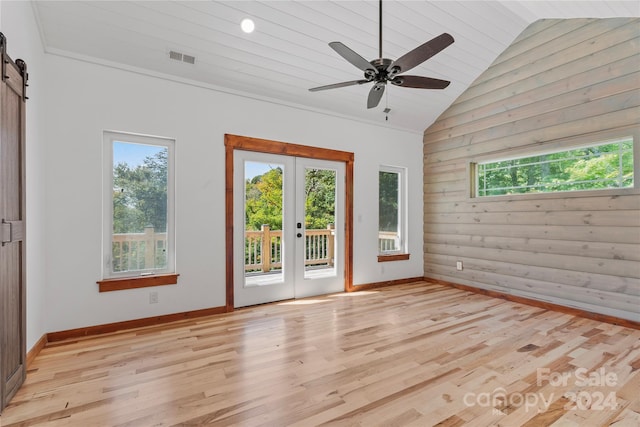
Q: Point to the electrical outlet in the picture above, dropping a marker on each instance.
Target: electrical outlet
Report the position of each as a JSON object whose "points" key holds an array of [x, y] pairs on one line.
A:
{"points": [[153, 297], [459, 265]]}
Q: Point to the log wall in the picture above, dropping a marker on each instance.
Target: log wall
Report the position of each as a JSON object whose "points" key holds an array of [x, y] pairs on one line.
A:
{"points": [[561, 83]]}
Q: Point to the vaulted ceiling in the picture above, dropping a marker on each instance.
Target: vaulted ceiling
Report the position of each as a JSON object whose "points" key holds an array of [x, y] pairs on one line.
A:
{"points": [[288, 52]]}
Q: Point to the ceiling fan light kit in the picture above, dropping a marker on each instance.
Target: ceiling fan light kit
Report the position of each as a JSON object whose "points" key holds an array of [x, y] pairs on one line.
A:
{"points": [[383, 70]]}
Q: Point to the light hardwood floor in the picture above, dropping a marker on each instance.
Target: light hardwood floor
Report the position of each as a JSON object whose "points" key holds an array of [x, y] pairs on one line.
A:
{"points": [[419, 354]]}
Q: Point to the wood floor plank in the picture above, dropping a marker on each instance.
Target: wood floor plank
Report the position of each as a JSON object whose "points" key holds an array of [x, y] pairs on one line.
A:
{"points": [[417, 354]]}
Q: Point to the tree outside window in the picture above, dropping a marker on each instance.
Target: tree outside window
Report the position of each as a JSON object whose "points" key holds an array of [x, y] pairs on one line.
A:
{"points": [[600, 166]]}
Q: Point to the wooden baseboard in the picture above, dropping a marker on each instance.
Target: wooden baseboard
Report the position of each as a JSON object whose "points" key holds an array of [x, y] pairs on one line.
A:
{"points": [[375, 285], [542, 304], [131, 324], [35, 350], [157, 320]]}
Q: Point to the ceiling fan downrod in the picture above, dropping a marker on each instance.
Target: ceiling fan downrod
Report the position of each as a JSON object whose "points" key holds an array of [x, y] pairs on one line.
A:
{"points": [[380, 31]]}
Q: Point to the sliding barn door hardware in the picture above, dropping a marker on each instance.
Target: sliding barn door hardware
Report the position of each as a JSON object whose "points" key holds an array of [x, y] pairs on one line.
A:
{"points": [[19, 64]]}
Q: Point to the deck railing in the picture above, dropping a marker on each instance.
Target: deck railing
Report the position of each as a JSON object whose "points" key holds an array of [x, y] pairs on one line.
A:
{"points": [[387, 241], [319, 248], [139, 251]]}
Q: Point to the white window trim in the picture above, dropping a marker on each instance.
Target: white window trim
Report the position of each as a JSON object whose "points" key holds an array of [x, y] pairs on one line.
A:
{"points": [[403, 215], [109, 137]]}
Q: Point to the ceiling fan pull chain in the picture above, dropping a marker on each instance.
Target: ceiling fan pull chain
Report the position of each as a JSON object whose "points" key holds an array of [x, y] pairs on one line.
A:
{"points": [[387, 109]]}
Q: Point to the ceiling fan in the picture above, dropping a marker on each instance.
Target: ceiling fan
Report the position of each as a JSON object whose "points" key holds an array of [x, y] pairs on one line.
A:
{"points": [[383, 70]]}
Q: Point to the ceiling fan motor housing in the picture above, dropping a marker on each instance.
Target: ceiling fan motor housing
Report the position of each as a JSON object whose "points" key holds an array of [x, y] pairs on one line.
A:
{"points": [[383, 73], [380, 74]]}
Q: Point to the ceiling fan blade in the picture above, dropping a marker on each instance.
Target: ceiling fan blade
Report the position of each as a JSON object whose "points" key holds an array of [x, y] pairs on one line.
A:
{"points": [[420, 54], [420, 82], [337, 85], [375, 94], [353, 57]]}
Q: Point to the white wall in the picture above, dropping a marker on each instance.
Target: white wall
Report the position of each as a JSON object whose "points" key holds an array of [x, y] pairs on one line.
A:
{"points": [[23, 41], [84, 99]]}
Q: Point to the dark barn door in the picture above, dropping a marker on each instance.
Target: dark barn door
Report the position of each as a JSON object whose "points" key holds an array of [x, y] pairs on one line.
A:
{"points": [[12, 227]]}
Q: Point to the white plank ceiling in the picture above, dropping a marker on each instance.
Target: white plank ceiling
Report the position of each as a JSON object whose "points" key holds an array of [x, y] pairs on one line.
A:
{"points": [[288, 53]]}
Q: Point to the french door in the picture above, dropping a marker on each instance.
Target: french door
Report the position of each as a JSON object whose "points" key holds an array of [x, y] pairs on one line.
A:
{"points": [[288, 227]]}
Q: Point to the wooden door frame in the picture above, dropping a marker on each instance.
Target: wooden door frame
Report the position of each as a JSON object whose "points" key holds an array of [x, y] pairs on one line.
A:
{"points": [[245, 143]]}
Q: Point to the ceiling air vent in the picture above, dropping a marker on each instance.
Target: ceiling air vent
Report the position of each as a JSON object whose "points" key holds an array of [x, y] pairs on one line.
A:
{"points": [[182, 57]]}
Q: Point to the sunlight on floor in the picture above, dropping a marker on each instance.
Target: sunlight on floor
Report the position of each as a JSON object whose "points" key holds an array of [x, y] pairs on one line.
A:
{"points": [[303, 302], [318, 301], [354, 294]]}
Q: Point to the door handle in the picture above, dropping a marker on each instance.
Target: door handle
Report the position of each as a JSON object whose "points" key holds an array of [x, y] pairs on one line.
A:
{"points": [[299, 225], [299, 235]]}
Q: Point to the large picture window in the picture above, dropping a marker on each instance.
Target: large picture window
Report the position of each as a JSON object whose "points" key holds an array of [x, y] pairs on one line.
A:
{"points": [[604, 165], [139, 195], [391, 210]]}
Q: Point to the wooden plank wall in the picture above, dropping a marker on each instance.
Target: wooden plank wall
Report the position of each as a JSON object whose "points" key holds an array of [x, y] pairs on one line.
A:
{"points": [[561, 82]]}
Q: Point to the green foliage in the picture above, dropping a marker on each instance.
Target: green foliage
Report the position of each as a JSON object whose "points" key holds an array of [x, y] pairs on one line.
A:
{"points": [[140, 195], [263, 204], [320, 192], [604, 166], [388, 201]]}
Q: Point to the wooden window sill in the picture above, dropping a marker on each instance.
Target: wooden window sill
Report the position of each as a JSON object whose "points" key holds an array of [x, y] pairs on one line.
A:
{"points": [[120, 284], [394, 257]]}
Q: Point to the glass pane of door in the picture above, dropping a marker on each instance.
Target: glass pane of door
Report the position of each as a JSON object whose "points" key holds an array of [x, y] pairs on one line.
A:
{"points": [[264, 213], [320, 199], [319, 221], [263, 208]]}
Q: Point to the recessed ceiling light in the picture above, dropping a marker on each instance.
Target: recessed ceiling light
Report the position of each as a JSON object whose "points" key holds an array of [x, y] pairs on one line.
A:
{"points": [[247, 25]]}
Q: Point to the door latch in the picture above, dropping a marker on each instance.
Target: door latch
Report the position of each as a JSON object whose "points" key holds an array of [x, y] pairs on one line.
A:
{"points": [[5, 235], [11, 231]]}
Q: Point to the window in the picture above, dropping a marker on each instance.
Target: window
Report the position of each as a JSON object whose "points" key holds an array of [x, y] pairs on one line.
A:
{"points": [[391, 211], [138, 205], [604, 165]]}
